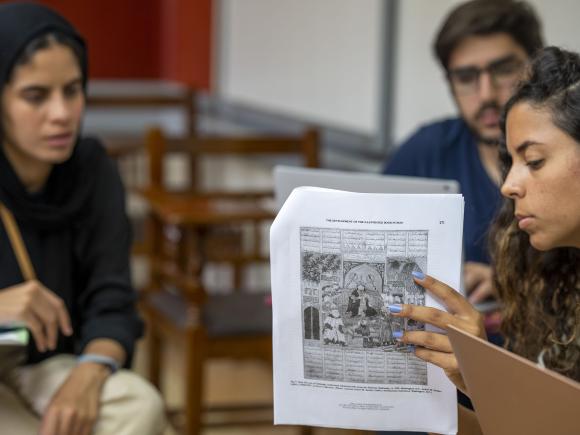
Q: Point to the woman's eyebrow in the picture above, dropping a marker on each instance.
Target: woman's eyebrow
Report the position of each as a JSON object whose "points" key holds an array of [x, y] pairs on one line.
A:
{"points": [[525, 145], [33, 88], [74, 81], [41, 87]]}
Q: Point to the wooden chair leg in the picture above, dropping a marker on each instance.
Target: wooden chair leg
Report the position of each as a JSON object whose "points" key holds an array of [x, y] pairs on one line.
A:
{"points": [[238, 276], [155, 356], [194, 381]]}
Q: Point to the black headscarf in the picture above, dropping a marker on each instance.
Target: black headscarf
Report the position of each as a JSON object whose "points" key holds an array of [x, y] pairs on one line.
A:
{"points": [[69, 184], [20, 23]]}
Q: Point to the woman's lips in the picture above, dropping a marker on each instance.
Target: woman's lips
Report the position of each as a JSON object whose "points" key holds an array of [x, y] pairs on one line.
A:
{"points": [[524, 221], [60, 140]]}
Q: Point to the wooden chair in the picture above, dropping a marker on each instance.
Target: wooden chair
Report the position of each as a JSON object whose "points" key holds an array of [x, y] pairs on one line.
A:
{"points": [[146, 95], [128, 149], [182, 229]]}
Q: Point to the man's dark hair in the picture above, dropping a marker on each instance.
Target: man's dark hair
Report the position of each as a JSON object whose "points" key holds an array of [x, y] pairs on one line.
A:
{"points": [[486, 17]]}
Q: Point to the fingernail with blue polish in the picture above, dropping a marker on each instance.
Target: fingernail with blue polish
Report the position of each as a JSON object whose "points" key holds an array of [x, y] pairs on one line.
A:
{"points": [[419, 275], [395, 308], [411, 348], [397, 335]]}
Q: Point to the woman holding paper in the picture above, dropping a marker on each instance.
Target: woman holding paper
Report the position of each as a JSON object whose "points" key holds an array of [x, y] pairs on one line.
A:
{"points": [[64, 246], [536, 238]]}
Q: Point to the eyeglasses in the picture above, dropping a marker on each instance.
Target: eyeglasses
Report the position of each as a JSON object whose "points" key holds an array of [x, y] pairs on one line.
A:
{"points": [[504, 73]]}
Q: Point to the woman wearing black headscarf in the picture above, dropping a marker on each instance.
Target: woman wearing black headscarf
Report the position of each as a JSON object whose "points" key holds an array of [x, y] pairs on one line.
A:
{"points": [[68, 202]]}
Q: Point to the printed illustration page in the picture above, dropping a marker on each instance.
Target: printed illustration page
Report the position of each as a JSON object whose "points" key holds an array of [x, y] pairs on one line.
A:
{"points": [[338, 260]]}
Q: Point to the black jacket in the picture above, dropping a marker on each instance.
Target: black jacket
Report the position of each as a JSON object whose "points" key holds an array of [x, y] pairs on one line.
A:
{"points": [[82, 257]]}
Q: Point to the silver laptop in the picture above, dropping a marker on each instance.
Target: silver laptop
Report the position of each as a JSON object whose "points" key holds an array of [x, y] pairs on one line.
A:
{"points": [[287, 178]]}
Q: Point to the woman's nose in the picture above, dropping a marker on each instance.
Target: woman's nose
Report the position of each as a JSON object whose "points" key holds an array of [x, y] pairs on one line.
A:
{"points": [[512, 186], [59, 108]]}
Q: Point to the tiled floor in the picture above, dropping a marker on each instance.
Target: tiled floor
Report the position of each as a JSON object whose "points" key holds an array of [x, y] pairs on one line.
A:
{"points": [[227, 381]]}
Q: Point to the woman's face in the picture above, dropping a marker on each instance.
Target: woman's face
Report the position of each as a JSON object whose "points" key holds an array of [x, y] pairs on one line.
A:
{"points": [[544, 180], [42, 106]]}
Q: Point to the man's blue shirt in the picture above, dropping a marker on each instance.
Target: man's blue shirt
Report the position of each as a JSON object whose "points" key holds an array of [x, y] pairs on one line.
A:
{"points": [[448, 149]]}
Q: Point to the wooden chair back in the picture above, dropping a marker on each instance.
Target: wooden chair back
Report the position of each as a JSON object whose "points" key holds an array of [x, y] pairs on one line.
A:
{"points": [[305, 146], [149, 96], [227, 244], [128, 150], [192, 229]]}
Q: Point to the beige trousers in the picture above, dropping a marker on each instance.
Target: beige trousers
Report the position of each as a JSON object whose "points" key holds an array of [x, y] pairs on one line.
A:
{"points": [[129, 404]]}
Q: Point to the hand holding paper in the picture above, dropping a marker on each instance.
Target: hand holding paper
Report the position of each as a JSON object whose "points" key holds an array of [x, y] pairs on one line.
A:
{"points": [[435, 347]]}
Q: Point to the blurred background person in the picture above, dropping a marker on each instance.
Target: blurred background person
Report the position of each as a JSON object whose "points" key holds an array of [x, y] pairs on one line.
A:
{"points": [[483, 46]]}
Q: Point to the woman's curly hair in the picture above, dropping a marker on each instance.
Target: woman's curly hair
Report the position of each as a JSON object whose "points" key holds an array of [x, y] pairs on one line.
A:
{"points": [[541, 290]]}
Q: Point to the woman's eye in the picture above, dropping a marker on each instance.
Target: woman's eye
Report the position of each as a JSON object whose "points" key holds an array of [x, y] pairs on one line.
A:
{"points": [[72, 91], [34, 97], [535, 164]]}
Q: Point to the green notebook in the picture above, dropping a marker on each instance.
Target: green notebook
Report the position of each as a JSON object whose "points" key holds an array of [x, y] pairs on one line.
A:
{"points": [[13, 336]]}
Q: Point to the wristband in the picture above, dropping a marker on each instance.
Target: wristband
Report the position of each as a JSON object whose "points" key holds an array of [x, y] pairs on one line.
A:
{"points": [[107, 361]]}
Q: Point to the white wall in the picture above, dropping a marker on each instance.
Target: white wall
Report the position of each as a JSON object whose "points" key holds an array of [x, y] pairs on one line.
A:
{"points": [[421, 91], [560, 20], [317, 60]]}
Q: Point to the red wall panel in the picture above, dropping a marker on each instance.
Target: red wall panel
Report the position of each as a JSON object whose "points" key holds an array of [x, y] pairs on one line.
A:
{"points": [[145, 39], [123, 35], [186, 27]]}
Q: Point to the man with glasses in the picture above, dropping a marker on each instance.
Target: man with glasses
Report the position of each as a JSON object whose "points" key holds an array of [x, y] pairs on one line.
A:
{"points": [[483, 47]]}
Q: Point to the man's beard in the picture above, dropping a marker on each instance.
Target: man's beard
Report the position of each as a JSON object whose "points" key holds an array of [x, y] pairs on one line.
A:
{"points": [[488, 141], [485, 140]]}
